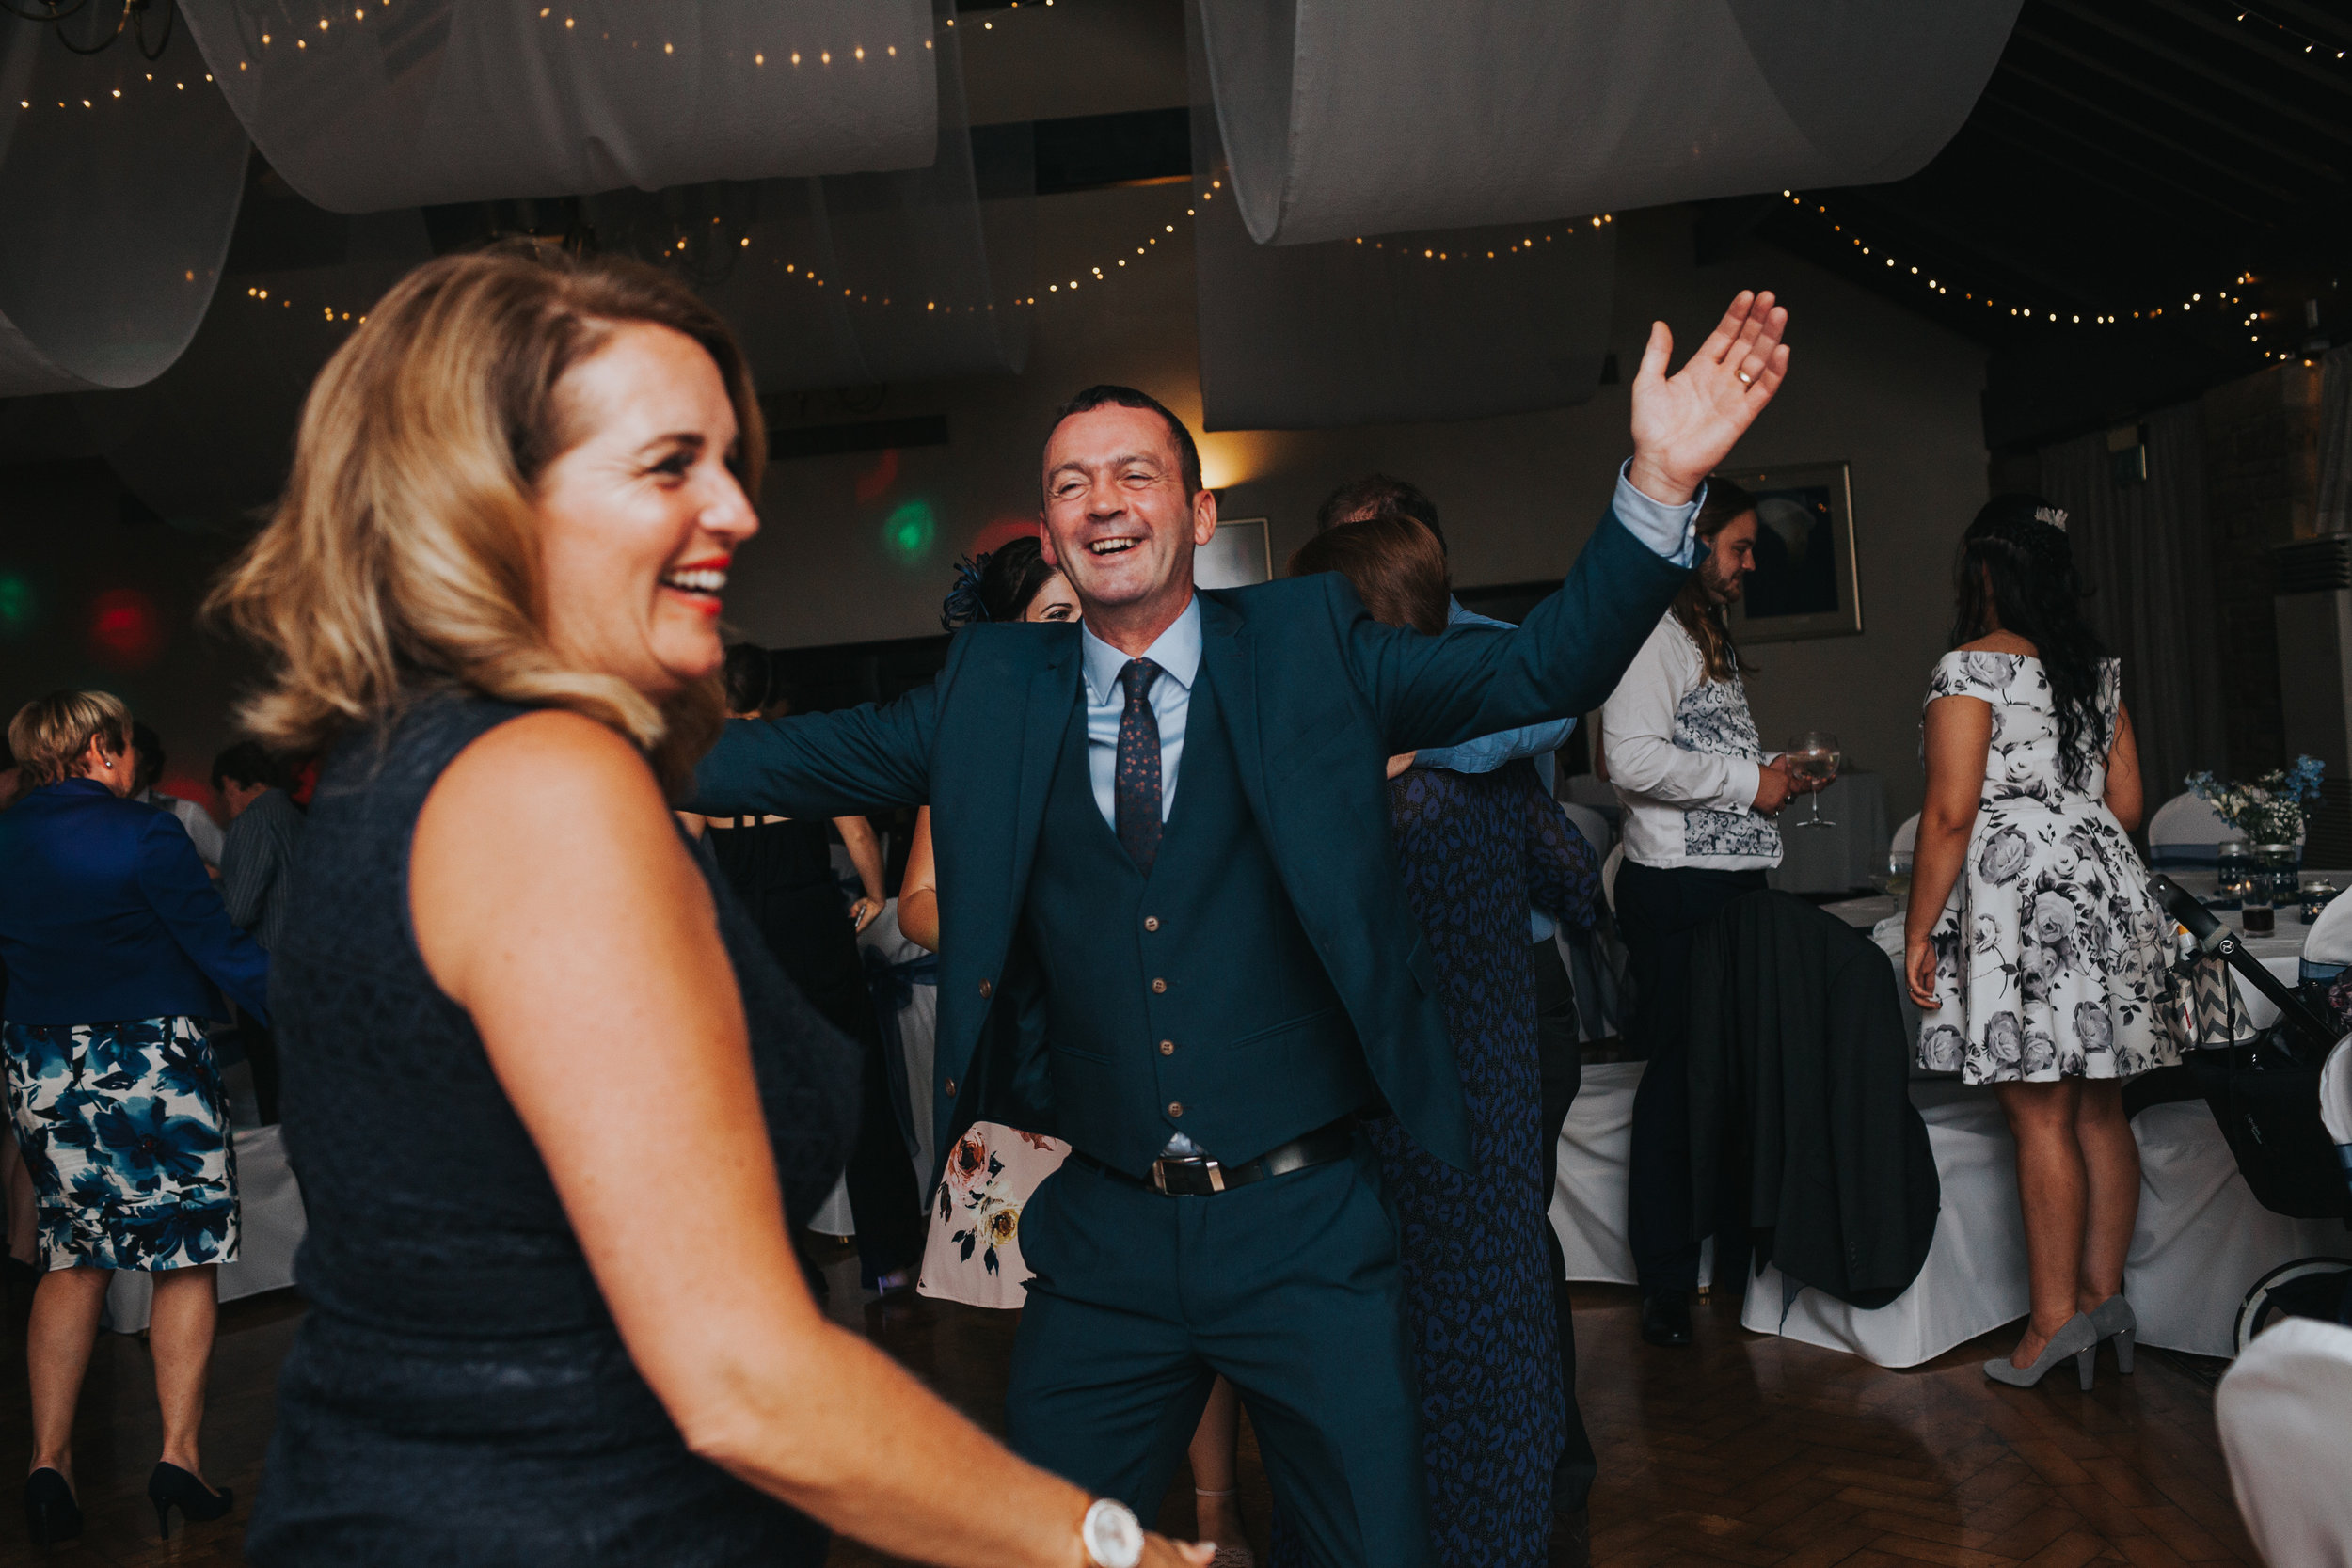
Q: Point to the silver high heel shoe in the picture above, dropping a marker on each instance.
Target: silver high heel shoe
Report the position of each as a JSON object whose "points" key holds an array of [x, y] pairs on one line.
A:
{"points": [[2115, 1320], [2077, 1337]]}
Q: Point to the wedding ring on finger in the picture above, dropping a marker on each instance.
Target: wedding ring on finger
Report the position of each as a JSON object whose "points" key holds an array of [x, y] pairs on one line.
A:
{"points": [[1745, 378]]}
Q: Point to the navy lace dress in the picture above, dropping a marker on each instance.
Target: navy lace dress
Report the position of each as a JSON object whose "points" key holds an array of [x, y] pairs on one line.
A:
{"points": [[458, 1394], [1476, 849]]}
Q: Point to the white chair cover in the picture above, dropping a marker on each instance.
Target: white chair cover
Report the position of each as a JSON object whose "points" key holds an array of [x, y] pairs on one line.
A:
{"points": [[2335, 1098], [270, 1227], [1608, 875], [2329, 939], [1588, 1200], [1906, 839], [1589, 822], [1974, 1279], [2184, 832], [375, 106], [2202, 1238], [119, 182], [2285, 1414], [1373, 116]]}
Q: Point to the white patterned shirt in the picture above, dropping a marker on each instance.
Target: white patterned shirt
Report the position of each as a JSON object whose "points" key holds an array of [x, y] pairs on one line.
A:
{"points": [[1683, 756]]}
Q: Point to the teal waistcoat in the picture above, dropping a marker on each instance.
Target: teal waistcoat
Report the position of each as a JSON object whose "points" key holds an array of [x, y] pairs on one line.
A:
{"points": [[1190, 1000]]}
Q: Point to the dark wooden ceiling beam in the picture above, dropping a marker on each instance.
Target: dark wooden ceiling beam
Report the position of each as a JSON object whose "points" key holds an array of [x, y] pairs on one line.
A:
{"points": [[1968, 246], [2164, 208], [2293, 60], [2195, 111], [2327, 26], [2236, 173], [2157, 175], [2261, 97]]}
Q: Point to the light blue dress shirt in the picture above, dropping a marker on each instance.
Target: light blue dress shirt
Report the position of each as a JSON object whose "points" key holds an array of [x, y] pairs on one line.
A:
{"points": [[1178, 654]]}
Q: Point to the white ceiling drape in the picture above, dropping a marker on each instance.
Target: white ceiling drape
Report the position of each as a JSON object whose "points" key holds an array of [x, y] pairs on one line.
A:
{"points": [[365, 106], [1360, 117], [119, 181]]}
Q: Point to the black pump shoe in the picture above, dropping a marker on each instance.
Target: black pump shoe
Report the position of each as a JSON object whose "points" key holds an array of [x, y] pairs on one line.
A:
{"points": [[1666, 1317], [51, 1514], [168, 1487]]}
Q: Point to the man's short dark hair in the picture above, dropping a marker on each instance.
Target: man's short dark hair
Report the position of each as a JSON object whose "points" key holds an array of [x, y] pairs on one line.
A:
{"points": [[1127, 397], [248, 764], [149, 747], [1374, 495]]}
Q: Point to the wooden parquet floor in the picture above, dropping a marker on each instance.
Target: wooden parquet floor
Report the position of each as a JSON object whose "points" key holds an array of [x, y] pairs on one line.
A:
{"points": [[1746, 1450]]}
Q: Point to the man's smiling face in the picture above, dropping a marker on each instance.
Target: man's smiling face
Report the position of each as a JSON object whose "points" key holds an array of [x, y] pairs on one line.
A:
{"points": [[1120, 518]]}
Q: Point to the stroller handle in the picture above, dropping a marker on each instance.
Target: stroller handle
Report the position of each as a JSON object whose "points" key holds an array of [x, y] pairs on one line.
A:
{"points": [[2221, 942]]}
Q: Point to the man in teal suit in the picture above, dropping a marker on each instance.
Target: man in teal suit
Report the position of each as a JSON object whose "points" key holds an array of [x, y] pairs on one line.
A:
{"points": [[1172, 933]]}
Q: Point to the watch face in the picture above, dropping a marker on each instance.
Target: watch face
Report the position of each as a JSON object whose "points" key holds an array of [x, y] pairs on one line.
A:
{"points": [[1114, 1537]]}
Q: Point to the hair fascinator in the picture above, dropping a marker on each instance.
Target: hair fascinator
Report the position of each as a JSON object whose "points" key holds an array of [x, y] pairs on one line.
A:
{"points": [[2054, 515], [963, 605]]}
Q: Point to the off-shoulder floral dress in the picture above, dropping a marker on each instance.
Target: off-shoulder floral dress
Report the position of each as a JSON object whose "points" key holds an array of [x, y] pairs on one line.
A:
{"points": [[2051, 955]]}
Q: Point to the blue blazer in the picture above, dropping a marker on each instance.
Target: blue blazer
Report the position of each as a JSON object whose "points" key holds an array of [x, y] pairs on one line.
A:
{"points": [[1315, 694], [107, 914]]}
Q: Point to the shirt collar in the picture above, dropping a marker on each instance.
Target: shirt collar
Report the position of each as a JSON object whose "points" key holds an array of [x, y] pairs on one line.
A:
{"points": [[1177, 653]]}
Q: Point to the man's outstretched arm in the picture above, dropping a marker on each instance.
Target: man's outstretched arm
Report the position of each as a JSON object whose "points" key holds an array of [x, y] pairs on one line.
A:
{"points": [[1573, 647], [821, 764]]}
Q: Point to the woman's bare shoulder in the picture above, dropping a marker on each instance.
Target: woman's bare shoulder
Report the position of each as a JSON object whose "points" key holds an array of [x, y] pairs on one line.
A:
{"points": [[2000, 642]]}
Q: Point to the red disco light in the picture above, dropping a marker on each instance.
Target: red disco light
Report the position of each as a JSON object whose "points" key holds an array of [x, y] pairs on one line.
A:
{"points": [[124, 628]]}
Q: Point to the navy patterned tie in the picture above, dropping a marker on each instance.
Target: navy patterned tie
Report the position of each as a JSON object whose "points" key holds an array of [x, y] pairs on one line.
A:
{"points": [[1136, 789]]}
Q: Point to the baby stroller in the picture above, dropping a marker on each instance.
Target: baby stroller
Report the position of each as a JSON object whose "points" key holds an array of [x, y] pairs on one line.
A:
{"points": [[2283, 1103]]}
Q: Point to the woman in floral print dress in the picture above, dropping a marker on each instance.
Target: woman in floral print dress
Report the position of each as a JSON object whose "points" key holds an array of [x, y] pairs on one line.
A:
{"points": [[2032, 941]]}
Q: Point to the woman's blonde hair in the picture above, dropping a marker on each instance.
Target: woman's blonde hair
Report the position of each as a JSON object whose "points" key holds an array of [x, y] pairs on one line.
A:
{"points": [[404, 554], [48, 735]]}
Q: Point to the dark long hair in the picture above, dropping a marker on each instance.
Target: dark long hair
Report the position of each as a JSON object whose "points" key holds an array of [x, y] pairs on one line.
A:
{"points": [[2016, 563], [1393, 563], [998, 586], [753, 683], [1699, 614]]}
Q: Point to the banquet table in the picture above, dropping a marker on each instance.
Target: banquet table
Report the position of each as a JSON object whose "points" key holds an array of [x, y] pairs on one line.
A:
{"points": [[2201, 1239], [1850, 853]]}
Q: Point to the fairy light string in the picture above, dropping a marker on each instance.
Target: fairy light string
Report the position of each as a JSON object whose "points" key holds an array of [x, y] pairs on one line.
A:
{"points": [[2225, 301]]}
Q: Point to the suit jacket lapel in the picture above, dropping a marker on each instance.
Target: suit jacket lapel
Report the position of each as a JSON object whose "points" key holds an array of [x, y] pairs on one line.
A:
{"points": [[1053, 702], [1229, 663]]}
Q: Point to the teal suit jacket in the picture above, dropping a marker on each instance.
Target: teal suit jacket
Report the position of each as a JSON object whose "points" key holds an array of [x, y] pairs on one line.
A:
{"points": [[1316, 695]]}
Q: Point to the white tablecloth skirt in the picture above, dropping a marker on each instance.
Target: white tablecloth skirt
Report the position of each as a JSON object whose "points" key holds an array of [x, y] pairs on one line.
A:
{"points": [[270, 1223], [2201, 1242]]}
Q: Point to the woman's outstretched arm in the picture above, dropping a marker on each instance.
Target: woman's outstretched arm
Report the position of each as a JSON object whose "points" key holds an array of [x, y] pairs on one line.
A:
{"points": [[611, 1017], [1958, 735]]}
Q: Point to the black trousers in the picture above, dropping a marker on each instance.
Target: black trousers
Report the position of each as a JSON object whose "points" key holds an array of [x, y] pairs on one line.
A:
{"points": [[1562, 1067], [1658, 914]]}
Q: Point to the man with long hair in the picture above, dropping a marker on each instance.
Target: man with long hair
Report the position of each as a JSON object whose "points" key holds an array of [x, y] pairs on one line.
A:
{"points": [[1699, 797]]}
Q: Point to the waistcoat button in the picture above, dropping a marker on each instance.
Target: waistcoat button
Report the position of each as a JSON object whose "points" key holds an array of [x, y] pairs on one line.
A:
{"points": [[1175, 1107], [951, 1088], [1159, 985], [1151, 922], [988, 989], [1167, 1048]]}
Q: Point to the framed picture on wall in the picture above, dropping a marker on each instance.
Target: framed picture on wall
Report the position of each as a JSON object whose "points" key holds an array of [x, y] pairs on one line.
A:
{"points": [[1806, 583], [1237, 555]]}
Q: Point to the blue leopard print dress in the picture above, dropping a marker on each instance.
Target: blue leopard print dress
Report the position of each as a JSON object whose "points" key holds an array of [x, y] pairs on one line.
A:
{"points": [[124, 1129], [1476, 849]]}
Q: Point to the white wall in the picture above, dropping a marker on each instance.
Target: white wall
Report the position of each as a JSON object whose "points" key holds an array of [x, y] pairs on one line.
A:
{"points": [[1870, 384]]}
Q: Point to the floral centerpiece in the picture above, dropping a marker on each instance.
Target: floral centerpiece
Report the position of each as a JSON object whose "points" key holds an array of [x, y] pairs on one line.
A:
{"points": [[2268, 809]]}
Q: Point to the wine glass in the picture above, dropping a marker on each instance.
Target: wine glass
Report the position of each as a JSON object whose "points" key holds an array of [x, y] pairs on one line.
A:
{"points": [[1813, 756]]}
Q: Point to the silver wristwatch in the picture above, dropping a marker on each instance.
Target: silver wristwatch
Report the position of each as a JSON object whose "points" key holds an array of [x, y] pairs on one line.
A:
{"points": [[1112, 1535]]}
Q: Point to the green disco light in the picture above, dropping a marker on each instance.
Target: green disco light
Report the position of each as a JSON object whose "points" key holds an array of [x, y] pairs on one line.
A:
{"points": [[911, 530], [19, 606]]}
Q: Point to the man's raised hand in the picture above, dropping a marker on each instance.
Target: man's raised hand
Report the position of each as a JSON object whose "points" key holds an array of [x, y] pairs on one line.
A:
{"points": [[1684, 425]]}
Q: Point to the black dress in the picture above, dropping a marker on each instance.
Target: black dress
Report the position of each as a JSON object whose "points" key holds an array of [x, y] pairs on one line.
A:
{"points": [[458, 1394], [783, 873]]}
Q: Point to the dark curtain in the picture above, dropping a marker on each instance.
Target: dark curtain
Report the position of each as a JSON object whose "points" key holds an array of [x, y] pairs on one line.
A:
{"points": [[2335, 441], [2142, 546]]}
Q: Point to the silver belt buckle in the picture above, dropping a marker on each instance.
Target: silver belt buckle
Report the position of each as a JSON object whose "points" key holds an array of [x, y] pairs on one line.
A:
{"points": [[1159, 1173]]}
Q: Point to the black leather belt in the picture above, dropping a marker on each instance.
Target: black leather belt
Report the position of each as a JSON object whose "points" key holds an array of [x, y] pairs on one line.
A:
{"points": [[1197, 1176]]}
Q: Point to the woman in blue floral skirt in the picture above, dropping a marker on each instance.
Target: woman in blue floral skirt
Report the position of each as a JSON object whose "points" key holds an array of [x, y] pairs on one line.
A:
{"points": [[118, 950]]}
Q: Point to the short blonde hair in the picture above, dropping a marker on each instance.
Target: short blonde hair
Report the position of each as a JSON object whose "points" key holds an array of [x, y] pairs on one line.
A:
{"points": [[403, 556], [48, 735]]}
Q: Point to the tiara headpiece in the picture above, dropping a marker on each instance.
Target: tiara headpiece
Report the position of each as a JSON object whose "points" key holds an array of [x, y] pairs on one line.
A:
{"points": [[2054, 515]]}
